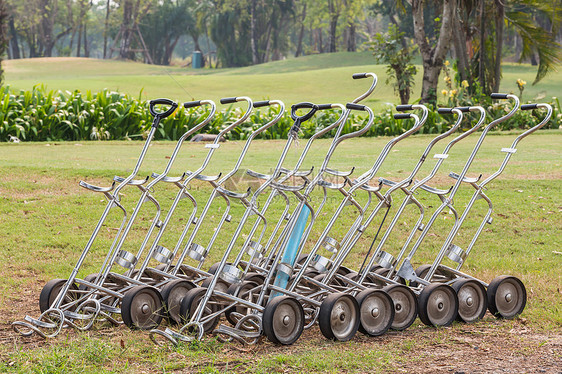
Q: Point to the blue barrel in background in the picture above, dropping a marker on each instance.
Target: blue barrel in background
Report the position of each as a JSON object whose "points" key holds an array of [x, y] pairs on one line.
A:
{"points": [[197, 60]]}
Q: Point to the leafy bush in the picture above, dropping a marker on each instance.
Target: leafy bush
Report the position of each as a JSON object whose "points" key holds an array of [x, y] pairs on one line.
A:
{"points": [[41, 115]]}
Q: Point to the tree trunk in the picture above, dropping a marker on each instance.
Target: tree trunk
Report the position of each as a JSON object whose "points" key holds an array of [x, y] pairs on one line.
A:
{"points": [[500, 13], [79, 46], [482, 61], [429, 84], [351, 45], [403, 92], [461, 54], [333, 27], [126, 30], [15, 49], [253, 33], [433, 58], [170, 51], [319, 42], [86, 48], [106, 29], [301, 32]]}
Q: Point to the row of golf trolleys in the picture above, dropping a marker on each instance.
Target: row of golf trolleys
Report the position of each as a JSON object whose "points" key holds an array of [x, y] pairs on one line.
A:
{"points": [[267, 283]]}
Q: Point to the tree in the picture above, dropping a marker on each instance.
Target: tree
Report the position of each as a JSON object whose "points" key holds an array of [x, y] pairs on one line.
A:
{"points": [[479, 37], [433, 51], [3, 36], [163, 26], [388, 49]]}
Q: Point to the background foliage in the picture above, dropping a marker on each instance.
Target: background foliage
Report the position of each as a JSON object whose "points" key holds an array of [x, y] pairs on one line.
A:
{"points": [[46, 115]]}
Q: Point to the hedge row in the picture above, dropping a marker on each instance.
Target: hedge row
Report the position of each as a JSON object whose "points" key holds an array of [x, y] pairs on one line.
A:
{"points": [[42, 115]]}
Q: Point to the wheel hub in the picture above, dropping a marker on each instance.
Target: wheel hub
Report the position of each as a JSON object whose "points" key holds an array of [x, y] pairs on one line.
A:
{"points": [[469, 301], [508, 297], [286, 320], [145, 309], [375, 312]]}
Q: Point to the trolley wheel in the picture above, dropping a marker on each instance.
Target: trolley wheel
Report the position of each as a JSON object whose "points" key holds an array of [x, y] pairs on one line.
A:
{"points": [[472, 297], [50, 292], [405, 306], [88, 278], [422, 270], [438, 305], [141, 308], [334, 282], [507, 297], [172, 294], [190, 303], [221, 285], [214, 267], [242, 291], [254, 277], [283, 320], [302, 257], [385, 273], [343, 270], [339, 317], [376, 311]]}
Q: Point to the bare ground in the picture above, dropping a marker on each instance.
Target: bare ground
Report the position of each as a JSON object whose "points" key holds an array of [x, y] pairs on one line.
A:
{"points": [[490, 346]]}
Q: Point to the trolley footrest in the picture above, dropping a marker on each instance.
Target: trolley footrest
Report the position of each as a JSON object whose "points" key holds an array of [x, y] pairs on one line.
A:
{"points": [[465, 179]]}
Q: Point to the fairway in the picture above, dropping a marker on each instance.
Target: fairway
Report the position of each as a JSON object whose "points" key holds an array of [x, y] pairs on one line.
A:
{"points": [[318, 78], [47, 219]]}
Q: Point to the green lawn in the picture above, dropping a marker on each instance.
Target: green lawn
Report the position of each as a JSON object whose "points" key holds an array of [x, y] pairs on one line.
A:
{"points": [[47, 218], [318, 78]]}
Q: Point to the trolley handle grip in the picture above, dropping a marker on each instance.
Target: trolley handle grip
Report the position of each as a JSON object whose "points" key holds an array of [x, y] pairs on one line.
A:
{"points": [[259, 104], [498, 96], [359, 75], [353, 106], [445, 110], [402, 108], [228, 100], [192, 104], [324, 106], [152, 104], [402, 116], [464, 109], [304, 105], [528, 106]]}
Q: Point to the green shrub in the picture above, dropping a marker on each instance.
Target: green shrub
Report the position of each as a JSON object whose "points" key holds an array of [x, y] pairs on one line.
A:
{"points": [[42, 115]]}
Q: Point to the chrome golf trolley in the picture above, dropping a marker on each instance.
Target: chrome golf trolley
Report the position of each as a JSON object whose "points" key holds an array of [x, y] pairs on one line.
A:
{"points": [[62, 302], [505, 296]]}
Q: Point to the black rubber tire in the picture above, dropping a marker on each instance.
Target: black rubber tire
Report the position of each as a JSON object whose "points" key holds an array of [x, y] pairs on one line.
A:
{"points": [[301, 258], [342, 270], [51, 290], [214, 267], [89, 278], [172, 294], [384, 272], [473, 300], [220, 285], [421, 271], [239, 290], [142, 308], [274, 315], [438, 305], [338, 317], [405, 306], [254, 277], [372, 298], [189, 305], [502, 307]]}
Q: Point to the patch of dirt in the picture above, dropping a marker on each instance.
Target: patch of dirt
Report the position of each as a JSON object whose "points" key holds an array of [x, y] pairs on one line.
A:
{"points": [[490, 346]]}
